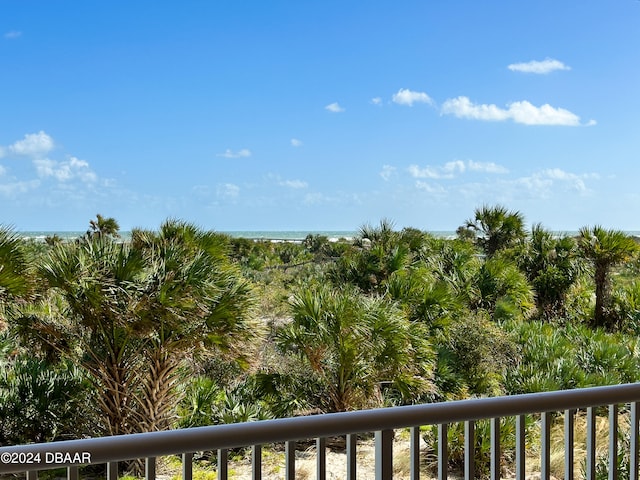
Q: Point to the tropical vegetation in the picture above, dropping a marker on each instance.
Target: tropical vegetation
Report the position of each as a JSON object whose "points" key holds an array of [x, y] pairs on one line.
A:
{"points": [[182, 327]]}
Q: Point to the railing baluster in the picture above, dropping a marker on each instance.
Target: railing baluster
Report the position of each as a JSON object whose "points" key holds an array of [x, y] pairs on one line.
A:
{"points": [[443, 450], [187, 466], [569, 416], [223, 468], [72, 473], [256, 462], [521, 446], [150, 468], [633, 442], [290, 460], [32, 475], [545, 447], [384, 454], [112, 471], [321, 458], [352, 441], [414, 456], [613, 442], [591, 443], [495, 448], [469, 450]]}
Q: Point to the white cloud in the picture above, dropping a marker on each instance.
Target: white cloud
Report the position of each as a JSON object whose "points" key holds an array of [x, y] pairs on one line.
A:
{"points": [[244, 153], [296, 143], [526, 113], [12, 34], [577, 182], [293, 184], [228, 191], [73, 168], [376, 101], [430, 188], [520, 112], [543, 67], [409, 97], [2, 170], [2, 152], [488, 167], [450, 169], [33, 145], [11, 189], [387, 172], [334, 107]]}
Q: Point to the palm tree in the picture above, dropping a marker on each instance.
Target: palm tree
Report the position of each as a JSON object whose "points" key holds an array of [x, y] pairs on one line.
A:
{"points": [[193, 300], [15, 279], [552, 265], [502, 290], [495, 228], [88, 318], [103, 227], [139, 312], [13, 264], [379, 251], [352, 342], [605, 249]]}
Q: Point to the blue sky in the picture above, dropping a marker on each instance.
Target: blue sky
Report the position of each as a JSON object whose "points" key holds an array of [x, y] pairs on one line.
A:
{"points": [[299, 115]]}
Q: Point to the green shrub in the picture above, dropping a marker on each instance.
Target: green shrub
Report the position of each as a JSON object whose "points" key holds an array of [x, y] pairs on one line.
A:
{"points": [[40, 402]]}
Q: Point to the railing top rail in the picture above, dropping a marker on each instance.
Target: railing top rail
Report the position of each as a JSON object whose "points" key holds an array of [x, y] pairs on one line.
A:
{"points": [[154, 444]]}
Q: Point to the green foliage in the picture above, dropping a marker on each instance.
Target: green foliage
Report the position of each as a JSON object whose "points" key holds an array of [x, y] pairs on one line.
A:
{"points": [[393, 317], [502, 290], [555, 357], [352, 343], [134, 315], [623, 460], [14, 279], [473, 357], [625, 307], [40, 402], [552, 265], [378, 252], [605, 249], [103, 227], [495, 228], [205, 403], [482, 442]]}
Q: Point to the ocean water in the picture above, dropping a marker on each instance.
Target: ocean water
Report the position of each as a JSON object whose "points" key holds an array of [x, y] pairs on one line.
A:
{"points": [[282, 235]]}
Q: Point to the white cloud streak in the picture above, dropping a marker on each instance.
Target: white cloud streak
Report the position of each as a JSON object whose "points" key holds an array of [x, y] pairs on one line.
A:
{"points": [[451, 169], [334, 107], [376, 101], [408, 97], [228, 191], [295, 142], [13, 34], [244, 153], [543, 67], [520, 112], [296, 184]]}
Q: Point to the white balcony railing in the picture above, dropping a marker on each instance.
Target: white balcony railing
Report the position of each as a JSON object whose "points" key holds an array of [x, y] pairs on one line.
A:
{"points": [[111, 450]]}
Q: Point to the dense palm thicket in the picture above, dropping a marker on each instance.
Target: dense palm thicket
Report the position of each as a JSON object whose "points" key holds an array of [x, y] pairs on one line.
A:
{"points": [[183, 327]]}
